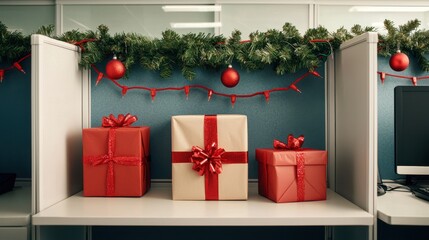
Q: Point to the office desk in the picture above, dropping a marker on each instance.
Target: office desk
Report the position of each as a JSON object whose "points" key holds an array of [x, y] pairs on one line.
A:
{"points": [[15, 211], [402, 208]]}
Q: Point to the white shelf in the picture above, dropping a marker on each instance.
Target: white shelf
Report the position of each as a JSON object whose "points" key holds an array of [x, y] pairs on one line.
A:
{"points": [[157, 209], [15, 207], [402, 208]]}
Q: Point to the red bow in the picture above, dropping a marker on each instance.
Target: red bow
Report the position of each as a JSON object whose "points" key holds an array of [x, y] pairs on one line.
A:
{"points": [[292, 143], [121, 121], [207, 160]]}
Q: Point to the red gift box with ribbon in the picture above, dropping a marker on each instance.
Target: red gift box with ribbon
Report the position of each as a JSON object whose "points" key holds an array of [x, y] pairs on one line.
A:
{"points": [[209, 157], [116, 158], [289, 173]]}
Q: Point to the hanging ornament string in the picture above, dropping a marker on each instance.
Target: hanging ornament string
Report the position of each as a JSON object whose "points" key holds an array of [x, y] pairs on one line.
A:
{"points": [[413, 79], [16, 65], [210, 92]]}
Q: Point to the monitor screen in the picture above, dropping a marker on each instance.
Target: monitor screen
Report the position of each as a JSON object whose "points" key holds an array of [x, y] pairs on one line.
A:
{"points": [[412, 130]]}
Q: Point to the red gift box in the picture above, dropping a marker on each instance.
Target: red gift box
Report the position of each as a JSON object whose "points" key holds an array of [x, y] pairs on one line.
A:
{"points": [[292, 175], [116, 161]]}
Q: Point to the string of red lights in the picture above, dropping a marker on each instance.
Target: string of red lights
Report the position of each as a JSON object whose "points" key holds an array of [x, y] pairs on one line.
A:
{"points": [[16, 65], [210, 92], [413, 79]]}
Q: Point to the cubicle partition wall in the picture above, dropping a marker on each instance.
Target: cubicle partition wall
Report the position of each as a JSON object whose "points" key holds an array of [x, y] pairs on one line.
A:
{"points": [[353, 108], [59, 112]]}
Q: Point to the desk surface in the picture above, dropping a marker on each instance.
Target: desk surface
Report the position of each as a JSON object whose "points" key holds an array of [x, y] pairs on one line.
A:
{"points": [[402, 208], [15, 207], [157, 209]]}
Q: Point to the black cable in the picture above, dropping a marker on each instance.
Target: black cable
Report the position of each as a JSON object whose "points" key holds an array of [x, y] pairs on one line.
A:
{"points": [[398, 189]]}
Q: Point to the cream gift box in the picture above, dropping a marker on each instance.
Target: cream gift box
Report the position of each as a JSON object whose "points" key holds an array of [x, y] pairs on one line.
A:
{"points": [[222, 140]]}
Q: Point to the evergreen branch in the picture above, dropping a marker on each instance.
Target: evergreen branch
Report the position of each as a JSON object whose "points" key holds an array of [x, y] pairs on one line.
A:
{"points": [[357, 29], [46, 30], [391, 30], [410, 26]]}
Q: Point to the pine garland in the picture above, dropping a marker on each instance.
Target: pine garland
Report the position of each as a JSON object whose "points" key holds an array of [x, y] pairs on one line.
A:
{"points": [[408, 39], [13, 45], [285, 50]]}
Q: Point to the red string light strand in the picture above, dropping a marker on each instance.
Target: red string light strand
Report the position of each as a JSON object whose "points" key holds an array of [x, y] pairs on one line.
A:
{"points": [[100, 75], [210, 92], [81, 42], [16, 65], [422, 77], [413, 79], [23, 58], [200, 87]]}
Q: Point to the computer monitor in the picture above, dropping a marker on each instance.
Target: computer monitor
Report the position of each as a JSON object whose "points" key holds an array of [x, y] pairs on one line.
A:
{"points": [[412, 130]]}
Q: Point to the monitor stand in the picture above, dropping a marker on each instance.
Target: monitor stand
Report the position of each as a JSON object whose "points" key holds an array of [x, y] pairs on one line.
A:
{"points": [[422, 180]]}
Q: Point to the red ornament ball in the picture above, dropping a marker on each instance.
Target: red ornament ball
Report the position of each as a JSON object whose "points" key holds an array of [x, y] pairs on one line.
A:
{"points": [[115, 69], [399, 61], [230, 77]]}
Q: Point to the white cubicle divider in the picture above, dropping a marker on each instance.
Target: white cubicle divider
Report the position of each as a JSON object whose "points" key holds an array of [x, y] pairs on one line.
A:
{"points": [[58, 115], [355, 133]]}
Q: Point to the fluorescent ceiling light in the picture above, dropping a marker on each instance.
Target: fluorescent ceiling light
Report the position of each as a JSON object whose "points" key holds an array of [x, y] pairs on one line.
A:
{"points": [[78, 23], [196, 25], [387, 9], [192, 8]]}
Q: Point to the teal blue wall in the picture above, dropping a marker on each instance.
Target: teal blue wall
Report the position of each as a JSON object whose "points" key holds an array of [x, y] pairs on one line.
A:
{"points": [[15, 91], [286, 112], [15, 121], [386, 159]]}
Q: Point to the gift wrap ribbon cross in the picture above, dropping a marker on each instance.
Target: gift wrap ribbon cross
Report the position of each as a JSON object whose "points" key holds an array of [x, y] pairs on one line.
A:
{"points": [[208, 161], [110, 159], [295, 144]]}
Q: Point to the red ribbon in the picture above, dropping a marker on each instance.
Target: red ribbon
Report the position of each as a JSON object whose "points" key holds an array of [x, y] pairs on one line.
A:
{"points": [[292, 143], [111, 159], [207, 161], [121, 121], [216, 157], [211, 181], [295, 144], [300, 175]]}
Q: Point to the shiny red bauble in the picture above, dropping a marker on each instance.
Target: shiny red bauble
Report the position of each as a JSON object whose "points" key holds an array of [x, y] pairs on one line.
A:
{"points": [[115, 69], [230, 77], [399, 61]]}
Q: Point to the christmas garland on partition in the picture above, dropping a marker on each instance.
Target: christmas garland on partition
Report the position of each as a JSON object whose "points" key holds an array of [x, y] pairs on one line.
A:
{"points": [[285, 50]]}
